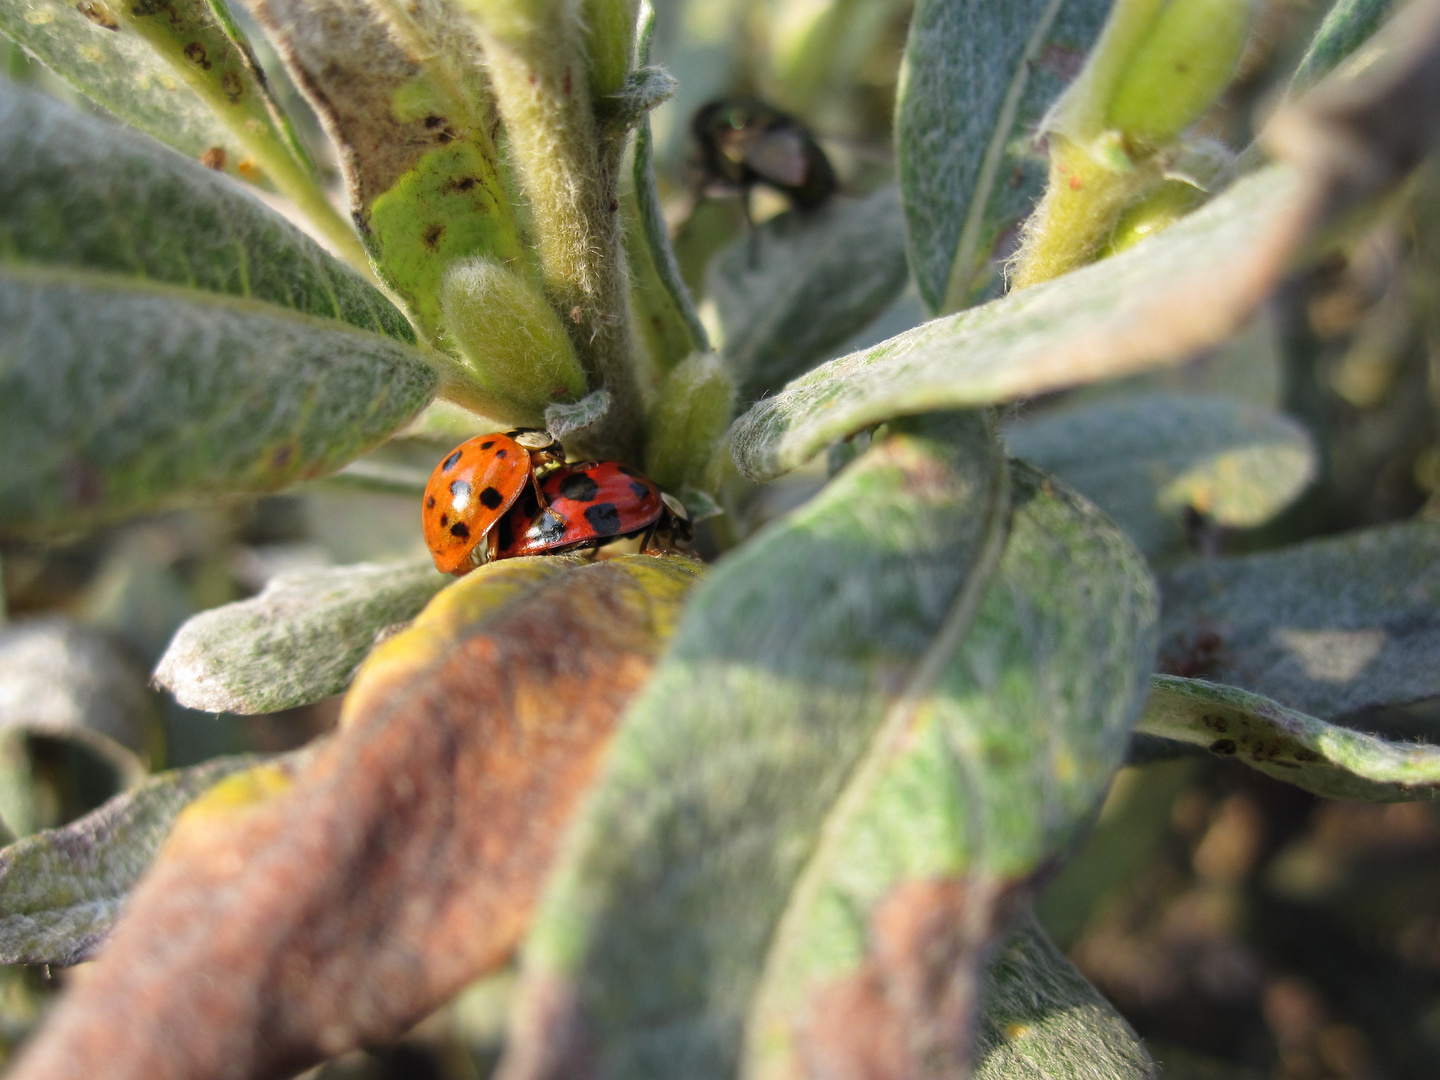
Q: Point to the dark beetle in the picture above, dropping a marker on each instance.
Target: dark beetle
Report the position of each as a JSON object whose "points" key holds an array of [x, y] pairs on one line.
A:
{"points": [[745, 142]]}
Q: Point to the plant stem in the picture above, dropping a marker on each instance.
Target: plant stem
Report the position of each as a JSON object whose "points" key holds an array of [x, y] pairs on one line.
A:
{"points": [[537, 67]]}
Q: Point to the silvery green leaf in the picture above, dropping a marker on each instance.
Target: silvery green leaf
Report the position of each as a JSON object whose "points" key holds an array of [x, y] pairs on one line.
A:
{"points": [[1146, 460], [1043, 1021], [168, 338], [802, 283], [921, 712], [1151, 306], [299, 641], [1327, 627], [1322, 758], [1346, 26], [61, 890], [60, 678], [972, 172]]}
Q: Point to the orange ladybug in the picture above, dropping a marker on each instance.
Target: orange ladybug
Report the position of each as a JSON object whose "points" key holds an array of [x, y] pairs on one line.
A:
{"points": [[474, 486]]}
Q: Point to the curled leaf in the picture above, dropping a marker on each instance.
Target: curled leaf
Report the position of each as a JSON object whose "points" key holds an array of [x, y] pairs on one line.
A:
{"points": [[1326, 759], [297, 642], [1147, 307], [61, 890], [291, 918], [69, 681], [1328, 627], [1148, 460], [727, 766]]}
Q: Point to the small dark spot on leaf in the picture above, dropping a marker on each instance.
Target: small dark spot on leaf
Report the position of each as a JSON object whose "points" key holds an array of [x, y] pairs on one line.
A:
{"points": [[464, 183], [281, 455], [1302, 754], [449, 462], [604, 518], [1223, 746], [214, 158], [232, 86], [98, 15], [445, 135], [614, 205], [1284, 764], [460, 531], [491, 499], [579, 487], [1216, 723], [432, 234], [432, 121], [196, 54]]}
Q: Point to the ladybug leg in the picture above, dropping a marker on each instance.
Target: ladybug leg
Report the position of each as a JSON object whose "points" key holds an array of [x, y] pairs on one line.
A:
{"points": [[544, 503]]}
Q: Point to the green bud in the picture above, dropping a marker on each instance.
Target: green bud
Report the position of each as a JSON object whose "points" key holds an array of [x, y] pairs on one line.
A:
{"points": [[517, 357], [1154, 213], [687, 422], [1178, 68]]}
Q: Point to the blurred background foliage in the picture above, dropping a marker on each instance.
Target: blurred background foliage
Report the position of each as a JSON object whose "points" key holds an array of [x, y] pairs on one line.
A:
{"points": [[1246, 928]]}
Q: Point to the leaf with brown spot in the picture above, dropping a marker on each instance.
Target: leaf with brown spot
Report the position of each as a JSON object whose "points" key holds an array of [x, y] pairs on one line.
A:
{"points": [[1327, 759], [879, 719], [307, 917], [401, 92]]}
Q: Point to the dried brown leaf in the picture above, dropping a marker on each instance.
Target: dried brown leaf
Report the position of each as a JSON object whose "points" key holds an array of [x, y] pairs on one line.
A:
{"points": [[291, 918]]}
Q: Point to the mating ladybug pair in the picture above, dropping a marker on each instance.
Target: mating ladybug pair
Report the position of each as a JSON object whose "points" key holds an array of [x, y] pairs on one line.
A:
{"points": [[504, 495]]}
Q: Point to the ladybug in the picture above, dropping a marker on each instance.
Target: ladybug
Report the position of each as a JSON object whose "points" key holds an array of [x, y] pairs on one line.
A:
{"points": [[743, 143], [589, 505], [473, 487]]}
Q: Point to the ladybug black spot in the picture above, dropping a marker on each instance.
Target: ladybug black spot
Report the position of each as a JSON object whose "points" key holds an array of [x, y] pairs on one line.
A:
{"points": [[460, 489], [552, 527], [579, 487], [491, 499], [628, 471], [604, 518], [460, 531], [504, 534], [429, 502], [499, 453], [449, 462], [444, 520], [487, 445], [639, 490]]}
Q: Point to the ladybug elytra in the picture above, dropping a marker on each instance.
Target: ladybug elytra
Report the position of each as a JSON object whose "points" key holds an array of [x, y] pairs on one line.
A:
{"points": [[588, 505], [473, 487]]}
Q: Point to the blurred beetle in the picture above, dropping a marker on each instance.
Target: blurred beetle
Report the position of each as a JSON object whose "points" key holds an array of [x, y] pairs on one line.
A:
{"points": [[744, 142]]}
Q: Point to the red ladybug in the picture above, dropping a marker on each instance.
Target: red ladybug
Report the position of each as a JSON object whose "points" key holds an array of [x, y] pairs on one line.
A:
{"points": [[473, 487], [589, 505]]}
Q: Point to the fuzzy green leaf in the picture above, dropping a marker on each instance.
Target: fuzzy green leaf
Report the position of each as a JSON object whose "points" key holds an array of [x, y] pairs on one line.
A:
{"points": [[662, 886], [299, 641], [971, 174], [1328, 627], [1043, 1021], [1153, 305], [178, 70], [803, 283], [61, 890], [1145, 460], [400, 91], [167, 338], [1346, 26], [1328, 760], [983, 778], [773, 756]]}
